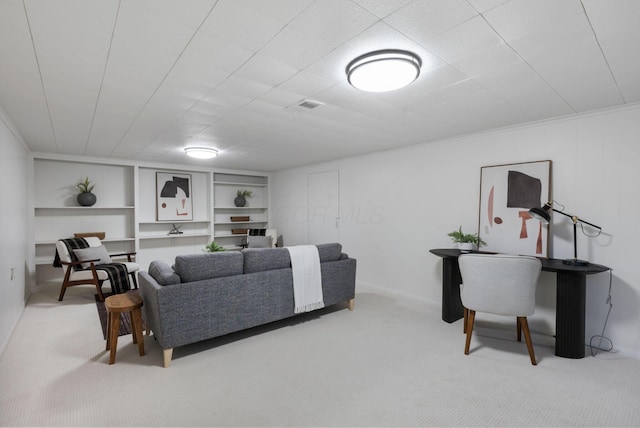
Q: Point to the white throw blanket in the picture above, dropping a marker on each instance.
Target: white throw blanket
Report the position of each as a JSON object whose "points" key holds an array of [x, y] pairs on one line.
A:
{"points": [[307, 279]]}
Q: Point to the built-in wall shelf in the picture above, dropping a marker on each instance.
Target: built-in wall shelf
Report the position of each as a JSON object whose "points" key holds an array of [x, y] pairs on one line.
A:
{"points": [[126, 208], [93, 208], [225, 188], [175, 236], [240, 222], [239, 184], [105, 240]]}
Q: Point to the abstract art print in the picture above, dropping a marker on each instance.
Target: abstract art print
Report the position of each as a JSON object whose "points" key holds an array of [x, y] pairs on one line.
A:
{"points": [[507, 192], [173, 197]]}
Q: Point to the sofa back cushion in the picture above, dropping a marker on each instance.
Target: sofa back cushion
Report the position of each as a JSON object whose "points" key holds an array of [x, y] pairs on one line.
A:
{"points": [[196, 267], [162, 273], [329, 252], [261, 259]]}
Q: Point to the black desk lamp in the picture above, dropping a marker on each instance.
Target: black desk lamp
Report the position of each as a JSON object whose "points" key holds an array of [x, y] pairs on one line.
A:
{"points": [[542, 214]]}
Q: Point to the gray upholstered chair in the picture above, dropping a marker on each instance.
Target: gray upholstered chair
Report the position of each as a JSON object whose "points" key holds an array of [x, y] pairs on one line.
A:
{"points": [[499, 284]]}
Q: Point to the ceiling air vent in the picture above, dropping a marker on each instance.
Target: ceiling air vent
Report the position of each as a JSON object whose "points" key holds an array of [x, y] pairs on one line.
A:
{"points": [[309, 104]]}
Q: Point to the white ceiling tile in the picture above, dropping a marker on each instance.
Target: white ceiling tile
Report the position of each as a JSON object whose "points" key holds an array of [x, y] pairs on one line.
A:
{"points": [[71, 59], [333, 21], [616, 27], [21, 94], [543, 20], [582, 70], [522, 87], [295, 48], [467, 39], [281, 11], [237, 23], [495, 58], [422, 20], [381, 8], [485, 5], [265, 70], [306, 83], [191, 16]]}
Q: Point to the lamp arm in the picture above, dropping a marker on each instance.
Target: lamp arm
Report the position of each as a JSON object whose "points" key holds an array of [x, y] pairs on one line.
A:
{"points": [[575, 219], [590, 224]]}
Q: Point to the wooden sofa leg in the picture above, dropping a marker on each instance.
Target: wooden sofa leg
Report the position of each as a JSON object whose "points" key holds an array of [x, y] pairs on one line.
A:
{"points": [[167, 354], [351, 303]]}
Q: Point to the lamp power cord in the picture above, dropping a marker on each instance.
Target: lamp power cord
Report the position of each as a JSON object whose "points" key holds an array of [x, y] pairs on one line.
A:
{"points": [[601, 337]]}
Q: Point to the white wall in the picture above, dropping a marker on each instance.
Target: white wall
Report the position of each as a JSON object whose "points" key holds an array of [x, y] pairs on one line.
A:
{"points": [[398, 204], [13, 219]]}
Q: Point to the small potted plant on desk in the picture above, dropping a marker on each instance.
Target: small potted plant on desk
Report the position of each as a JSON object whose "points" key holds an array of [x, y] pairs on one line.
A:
{"points": [[466, 241]]}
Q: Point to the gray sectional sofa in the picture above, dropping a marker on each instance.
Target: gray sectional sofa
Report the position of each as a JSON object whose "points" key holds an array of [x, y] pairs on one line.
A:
{"points": [[212, 294]]}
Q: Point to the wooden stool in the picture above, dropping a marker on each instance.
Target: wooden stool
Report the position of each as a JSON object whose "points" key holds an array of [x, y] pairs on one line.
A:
{"points": [[117, 304]]}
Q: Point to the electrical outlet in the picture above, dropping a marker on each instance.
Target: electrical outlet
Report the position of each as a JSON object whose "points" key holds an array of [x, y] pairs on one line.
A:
{"points": [[13, 273]]}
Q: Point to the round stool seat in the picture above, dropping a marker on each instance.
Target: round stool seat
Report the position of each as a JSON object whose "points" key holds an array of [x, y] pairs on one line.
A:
{"points": [[118, 303], [124, 302]]}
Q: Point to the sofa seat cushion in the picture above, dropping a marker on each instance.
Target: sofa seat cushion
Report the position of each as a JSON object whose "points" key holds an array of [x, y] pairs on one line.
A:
{"points": [[262, 259], [329, 252], [162, 273], [196, 267]]}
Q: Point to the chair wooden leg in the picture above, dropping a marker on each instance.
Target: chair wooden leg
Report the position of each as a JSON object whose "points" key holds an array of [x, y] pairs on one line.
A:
{"points": [[465, 319], [472, 317], [99, 290], [527, 338], [519, 329], [62, 290]]}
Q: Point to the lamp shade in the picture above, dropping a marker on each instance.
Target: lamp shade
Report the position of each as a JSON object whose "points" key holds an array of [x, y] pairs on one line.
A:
{"points": [[201, 152], [541, 214], [384, 70]]}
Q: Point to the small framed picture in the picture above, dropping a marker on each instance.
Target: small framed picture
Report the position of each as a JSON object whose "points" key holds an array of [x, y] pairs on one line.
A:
{"points": [[173, 197]]}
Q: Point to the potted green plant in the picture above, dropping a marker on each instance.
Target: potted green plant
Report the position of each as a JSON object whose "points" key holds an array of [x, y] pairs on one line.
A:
{"points": [[86, 198], [213, 247], [241, 197], [466, 241]]}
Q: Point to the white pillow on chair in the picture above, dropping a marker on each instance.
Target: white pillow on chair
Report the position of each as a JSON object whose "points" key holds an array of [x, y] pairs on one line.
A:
{"points": [[92, 253]]}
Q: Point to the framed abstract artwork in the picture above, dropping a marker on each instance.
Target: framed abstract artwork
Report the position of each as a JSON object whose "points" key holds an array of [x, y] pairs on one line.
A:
{"points": [[507, 192], [173, 197]]}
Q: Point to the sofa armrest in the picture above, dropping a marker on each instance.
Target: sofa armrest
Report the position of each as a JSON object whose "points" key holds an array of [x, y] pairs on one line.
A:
{"points": [[149, 288]]}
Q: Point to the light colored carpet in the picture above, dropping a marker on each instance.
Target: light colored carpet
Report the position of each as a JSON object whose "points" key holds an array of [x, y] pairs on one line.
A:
{"points": [[391, 362]]}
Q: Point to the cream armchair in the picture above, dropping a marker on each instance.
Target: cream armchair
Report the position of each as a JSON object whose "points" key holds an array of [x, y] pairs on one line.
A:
{"points": [[89, 274], [499, 284]]}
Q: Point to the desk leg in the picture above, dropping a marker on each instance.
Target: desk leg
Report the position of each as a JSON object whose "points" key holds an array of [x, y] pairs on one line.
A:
{"points": [[452, 309], [570, 314]]}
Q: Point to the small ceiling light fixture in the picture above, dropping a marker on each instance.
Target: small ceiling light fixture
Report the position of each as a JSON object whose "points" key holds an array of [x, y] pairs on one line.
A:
{"points": [[384, 70], [201, 152]]}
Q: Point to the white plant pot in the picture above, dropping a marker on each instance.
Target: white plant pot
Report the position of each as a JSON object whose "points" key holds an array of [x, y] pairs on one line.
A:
{"points": [[466, 247]]}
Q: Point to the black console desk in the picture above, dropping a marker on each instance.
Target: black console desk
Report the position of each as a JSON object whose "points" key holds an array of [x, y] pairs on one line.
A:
{"points": [[571, 283]]}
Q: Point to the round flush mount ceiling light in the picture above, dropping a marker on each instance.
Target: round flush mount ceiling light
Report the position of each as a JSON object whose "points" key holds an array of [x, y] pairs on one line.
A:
{"points": [[201, 152], [384, 70]]}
